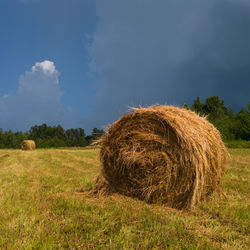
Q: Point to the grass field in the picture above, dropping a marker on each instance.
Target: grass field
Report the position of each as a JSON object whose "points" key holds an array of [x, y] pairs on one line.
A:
{"points": [[41, 207]]}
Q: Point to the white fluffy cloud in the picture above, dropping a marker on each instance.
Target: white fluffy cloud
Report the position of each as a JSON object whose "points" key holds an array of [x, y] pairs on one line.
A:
{"points": [[47, 67], [38, 99]]}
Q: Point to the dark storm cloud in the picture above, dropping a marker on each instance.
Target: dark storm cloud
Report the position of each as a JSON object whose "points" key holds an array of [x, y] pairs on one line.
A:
{"points": [[163, 51]]}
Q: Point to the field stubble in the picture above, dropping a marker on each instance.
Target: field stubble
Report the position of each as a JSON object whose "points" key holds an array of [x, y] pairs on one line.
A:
{"points": [[41, 207]]}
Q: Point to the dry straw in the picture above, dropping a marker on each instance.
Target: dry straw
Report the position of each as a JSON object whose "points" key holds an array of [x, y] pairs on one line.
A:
{"points": [[162, 154], [28, 145]]}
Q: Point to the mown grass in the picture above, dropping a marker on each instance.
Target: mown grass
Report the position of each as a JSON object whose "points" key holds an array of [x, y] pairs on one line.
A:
{"points": [[41, 207]]}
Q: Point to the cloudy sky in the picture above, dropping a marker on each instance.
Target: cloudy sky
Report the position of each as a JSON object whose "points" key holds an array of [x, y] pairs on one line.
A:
{"points": [[81, 63]]}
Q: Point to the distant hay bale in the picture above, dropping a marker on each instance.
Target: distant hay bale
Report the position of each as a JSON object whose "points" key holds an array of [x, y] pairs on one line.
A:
{"points": [[28, 145], [162, 154]]}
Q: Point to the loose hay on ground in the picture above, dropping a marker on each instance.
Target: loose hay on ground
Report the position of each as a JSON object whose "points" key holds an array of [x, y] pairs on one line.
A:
{"points": [[162, 154]]}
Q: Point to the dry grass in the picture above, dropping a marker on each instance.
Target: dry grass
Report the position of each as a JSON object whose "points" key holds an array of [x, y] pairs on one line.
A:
{"points": [[41, 208], [162, 154]]}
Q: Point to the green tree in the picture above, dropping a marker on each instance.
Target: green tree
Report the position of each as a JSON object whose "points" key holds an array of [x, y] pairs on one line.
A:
{"points": [[1, 138], [95, 135], [9, 139], [218, 114], [242, 124], [197, 106], [214, 107], [19, 138]]}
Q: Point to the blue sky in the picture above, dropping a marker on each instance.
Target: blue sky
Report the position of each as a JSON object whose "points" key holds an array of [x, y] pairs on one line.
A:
{"points": [[81, 63]]}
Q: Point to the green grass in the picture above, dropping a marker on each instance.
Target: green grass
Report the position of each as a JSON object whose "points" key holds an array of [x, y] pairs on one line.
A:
{"points": [[238, 144], [41, 208]]}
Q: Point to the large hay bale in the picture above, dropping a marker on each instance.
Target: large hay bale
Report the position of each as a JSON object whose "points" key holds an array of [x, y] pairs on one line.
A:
{"points": [[162, 154], [28, 145]]}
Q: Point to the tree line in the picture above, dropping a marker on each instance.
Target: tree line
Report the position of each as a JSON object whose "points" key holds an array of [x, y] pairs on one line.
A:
{"points": [[232, 126], [49, 137]]}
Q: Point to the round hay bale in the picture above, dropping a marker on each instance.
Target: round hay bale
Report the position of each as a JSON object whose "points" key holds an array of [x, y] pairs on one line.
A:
{"points": [[28, 145], [162, 154]]}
